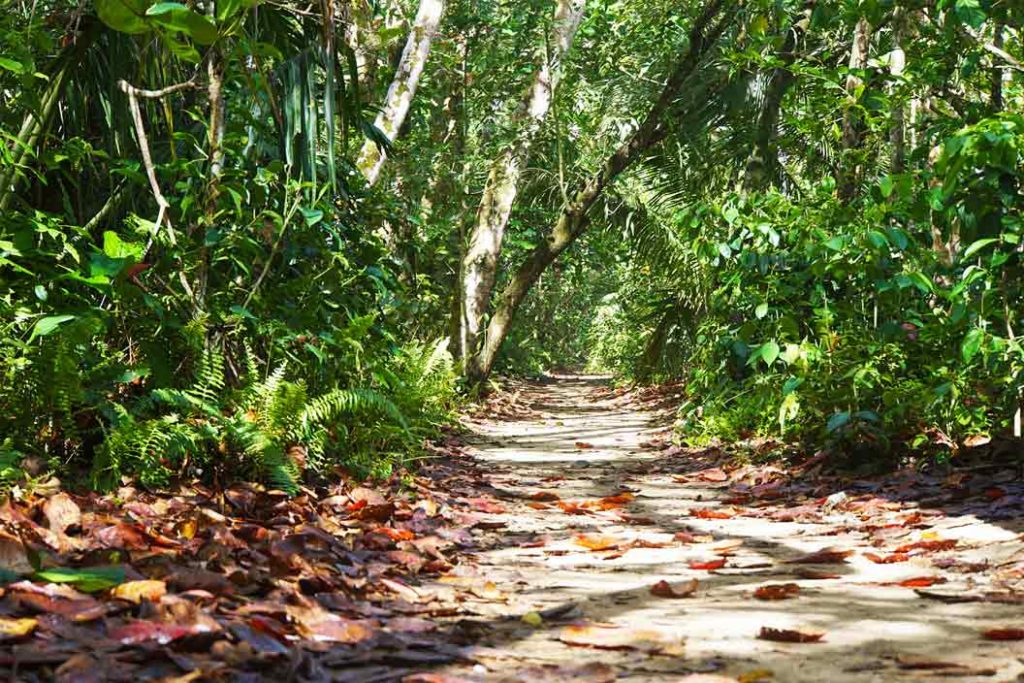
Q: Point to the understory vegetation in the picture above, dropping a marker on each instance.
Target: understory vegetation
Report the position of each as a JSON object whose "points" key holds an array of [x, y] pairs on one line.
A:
{"points": [[270, 240]]}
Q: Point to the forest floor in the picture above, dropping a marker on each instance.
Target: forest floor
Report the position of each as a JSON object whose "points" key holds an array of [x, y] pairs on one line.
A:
{"points": [[906, 577], [560, 538]]}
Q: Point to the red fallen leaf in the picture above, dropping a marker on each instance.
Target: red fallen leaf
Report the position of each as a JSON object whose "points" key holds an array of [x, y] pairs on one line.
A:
{"points": [[485, 505], [583, 445], [124, 536], [596, 541], [887, 559], [395, 534], [136, 632], [785, 635], [1003, 634], [778, 591], [921, 581], [712, 513], [538, 506], [611, 502], [707, 565], [323, 626], [545, 496], [573, 508], [825, 556], [814, 574], [715, 474], [995, 493], [946, 544], [663, 589], [55, 599]]}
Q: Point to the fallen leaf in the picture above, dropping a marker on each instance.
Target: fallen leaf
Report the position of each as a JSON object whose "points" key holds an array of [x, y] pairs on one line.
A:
{"points": [[583, 445], [825, 556], [663, 589], [137, 591], [1003, 634], [912, 663], [610, 637], [947, 544], [785, 635], [88, 580], [712, 513], [545, 496], [11, 629], [755, 676], [714, 475], [921, 581], [887, 559], [777, 591], [13, 557], [136, 632], [596, 541], [707, 564], [61, 512]]}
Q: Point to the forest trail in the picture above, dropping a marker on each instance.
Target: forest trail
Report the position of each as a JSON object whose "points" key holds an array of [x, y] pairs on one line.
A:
{"points": [[582, 447]]}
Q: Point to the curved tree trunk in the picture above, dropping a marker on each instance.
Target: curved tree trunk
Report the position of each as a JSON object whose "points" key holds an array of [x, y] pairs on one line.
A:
{"points": [[403, 87], [479, 266], [573, 220]]}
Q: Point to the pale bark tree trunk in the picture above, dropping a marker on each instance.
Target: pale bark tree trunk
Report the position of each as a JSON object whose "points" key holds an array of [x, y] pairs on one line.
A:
{"points": [[764, 161], [403, 86], [853, 121], [479, 266], [897, 65], [573, 221]]}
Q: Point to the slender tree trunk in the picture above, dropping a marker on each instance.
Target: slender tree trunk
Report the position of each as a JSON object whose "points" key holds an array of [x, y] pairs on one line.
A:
{"points": [[403, 87], [763, 162], [480, 264], [853, 121], [897, 64], [997, 70], [573, 221]]}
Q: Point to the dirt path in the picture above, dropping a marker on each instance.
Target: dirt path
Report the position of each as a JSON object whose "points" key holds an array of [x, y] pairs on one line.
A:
{"points": [[553, 472]]}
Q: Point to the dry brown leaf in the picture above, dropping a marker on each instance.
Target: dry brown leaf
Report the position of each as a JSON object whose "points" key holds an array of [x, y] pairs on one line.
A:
{"points": [[663, 589], [824, 556], [61, 512], [1003, 634], [786, 635], [815, 574], [13, 557], [777, 591]]}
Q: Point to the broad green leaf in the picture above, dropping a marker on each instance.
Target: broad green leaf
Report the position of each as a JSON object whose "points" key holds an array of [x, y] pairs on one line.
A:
{"points": [[125, 16], [89, 580], [761, 310], [978, 245], [48, 325], [178, 17], [837, 421], [312, 216], [116, 248], [12, 65], [769, 352], [972, 344]]}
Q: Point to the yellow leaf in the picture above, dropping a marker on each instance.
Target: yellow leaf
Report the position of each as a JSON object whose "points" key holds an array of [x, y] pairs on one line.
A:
{"points": [[533, 619], [755, 676], [137, 591], [15, 628]]}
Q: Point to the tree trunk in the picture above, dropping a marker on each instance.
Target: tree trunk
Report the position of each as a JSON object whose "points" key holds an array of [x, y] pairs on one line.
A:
{"points": [[403, 87], [763, 162], [480, 263], [853, 121], [897, 64], [573, 220], [997, 70]]}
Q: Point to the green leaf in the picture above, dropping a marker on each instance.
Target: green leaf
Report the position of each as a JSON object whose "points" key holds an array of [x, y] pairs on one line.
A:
{"points": [[970, 13], [88, 580], [761, 310], [837, 421], [48, 325], [886, 186], [12, 65], [978, 245], [769, 352], [178, 17], [972, 344], [125, 16], [116, 248], [922, 282], [312, 216]]}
